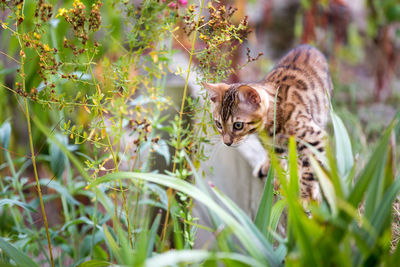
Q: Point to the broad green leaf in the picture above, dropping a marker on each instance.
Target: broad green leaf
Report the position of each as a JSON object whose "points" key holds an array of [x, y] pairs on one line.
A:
{"points": [[18, 203], [344, 153], [19, 257]]}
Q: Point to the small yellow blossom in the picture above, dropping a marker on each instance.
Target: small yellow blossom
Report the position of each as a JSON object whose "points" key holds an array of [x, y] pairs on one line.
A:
{"points": [[78, 4], [37, 36], [46, 47], [61, 12]]}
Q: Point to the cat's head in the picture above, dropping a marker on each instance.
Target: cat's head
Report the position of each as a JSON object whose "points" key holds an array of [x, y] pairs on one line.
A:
{"points": [[238, 110]]}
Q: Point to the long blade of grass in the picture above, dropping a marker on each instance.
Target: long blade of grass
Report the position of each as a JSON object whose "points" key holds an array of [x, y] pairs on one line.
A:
{"points": [[152, 235], [293, 171], [197, 194], [19, 257], [326, 185], [276, 213], [95, 263], [263, 215]]}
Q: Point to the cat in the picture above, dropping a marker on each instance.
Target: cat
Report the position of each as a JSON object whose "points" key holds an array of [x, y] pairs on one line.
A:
{"points": [[301, 85]]}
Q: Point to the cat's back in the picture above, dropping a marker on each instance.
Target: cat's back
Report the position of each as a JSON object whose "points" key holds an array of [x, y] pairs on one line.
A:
{"points": [[303, 62], [303, 79]]}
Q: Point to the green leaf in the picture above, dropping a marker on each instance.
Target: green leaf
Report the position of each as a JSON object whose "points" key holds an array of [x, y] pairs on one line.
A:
{"points": [[62, 190], [344, 153], [276, 213], [57, 157], [113, 244], [95, 263], [8, 71], [152, 235], [5, 133], [293, 172], [326, 185], [162, 148], [19, 257], [18, 203], [263, 215]]}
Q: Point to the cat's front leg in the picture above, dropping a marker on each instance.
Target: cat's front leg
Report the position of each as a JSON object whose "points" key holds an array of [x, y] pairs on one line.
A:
{"points": [[261, 171], [256, 155]]}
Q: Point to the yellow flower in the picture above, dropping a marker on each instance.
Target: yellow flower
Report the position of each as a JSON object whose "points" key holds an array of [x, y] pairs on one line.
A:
{"points": [[46, 47], [37, 36], [61, 12], [78, 4]]}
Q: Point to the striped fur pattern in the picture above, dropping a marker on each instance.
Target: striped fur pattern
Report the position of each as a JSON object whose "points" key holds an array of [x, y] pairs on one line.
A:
{"points": [[302, 85]]}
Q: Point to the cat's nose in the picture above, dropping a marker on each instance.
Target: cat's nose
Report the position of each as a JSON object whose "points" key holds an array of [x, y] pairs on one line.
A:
{"points": [[227, 140], [228, 143]]}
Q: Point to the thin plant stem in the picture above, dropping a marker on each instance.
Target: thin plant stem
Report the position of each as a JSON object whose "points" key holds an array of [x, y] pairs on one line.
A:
{"points": [[112, 153], [36, 175], [28, 120], [275, 104], [178, 137]]}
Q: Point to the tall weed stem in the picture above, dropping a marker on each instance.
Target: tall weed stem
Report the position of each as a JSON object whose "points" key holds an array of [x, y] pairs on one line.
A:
{"points": [[170, 192], [28, 120]]}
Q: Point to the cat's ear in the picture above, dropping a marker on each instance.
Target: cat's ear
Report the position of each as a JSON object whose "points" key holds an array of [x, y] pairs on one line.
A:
{"points": [[216, 90], [249, 95]]}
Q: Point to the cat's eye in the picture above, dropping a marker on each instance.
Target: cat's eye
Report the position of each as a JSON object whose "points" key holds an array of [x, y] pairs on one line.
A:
{"points": [[238, 125], [219, 126]]}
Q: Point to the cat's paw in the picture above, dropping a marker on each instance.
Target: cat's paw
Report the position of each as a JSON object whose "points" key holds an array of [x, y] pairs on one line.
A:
{"points": [[262, 170]]}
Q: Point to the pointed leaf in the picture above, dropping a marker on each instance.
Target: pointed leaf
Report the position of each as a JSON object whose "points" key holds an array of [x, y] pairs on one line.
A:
{"points": [[344, 153], [19, 257]]}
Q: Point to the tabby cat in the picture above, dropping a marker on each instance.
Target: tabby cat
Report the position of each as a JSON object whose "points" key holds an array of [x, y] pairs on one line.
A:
{"points": [[301, 85]]}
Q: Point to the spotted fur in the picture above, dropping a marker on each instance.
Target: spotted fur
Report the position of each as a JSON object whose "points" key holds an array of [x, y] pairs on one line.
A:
{"points": [[301, 84]]}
